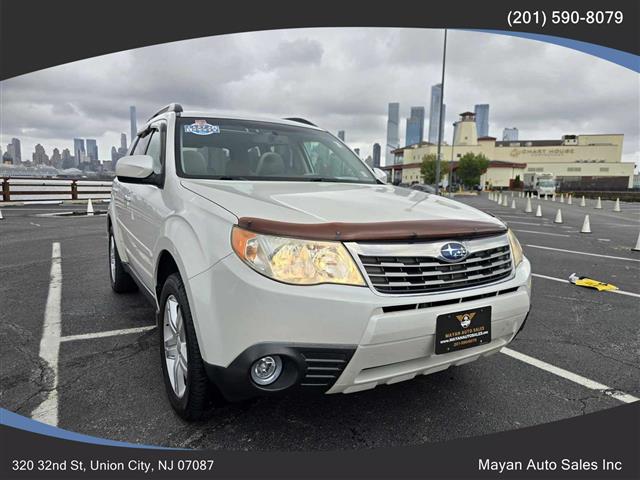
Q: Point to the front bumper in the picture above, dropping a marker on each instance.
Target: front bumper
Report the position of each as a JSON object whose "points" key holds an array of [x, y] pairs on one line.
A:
{"points": [[387, 338]]}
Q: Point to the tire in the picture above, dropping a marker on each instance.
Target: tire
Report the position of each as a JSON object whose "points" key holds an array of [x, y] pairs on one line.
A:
{"points": [[121, 281], [187, 386]]}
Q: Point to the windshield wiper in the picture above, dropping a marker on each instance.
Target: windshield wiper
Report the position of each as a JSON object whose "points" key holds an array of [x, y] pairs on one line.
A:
{"points": [[231, 177], [322, 179]]}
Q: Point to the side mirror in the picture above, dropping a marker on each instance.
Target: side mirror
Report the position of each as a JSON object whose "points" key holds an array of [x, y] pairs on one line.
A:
{"points": [[380, 174], [134, 167]]}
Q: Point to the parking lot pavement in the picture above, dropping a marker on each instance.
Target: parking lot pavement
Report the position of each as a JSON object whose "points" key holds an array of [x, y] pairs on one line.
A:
{"points": [[108, 371]]}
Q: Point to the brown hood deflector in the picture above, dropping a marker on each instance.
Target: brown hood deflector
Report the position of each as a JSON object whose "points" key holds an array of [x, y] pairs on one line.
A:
{"points": [[376, 231]]}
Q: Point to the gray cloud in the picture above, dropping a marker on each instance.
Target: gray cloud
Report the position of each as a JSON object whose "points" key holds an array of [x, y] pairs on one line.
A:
{"points": [[341, 79], [302, 51]]}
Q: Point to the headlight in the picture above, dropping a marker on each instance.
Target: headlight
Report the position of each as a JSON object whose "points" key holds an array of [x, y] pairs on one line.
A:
{"points": [[516, 248], [295, 261]]}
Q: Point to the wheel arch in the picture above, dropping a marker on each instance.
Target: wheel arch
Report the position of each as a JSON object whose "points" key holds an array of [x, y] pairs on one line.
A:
{"points": [[165, 266], [168, 263]]}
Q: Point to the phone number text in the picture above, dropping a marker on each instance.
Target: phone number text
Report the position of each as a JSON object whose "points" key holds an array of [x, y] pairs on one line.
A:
{"points": [[564, 17]]}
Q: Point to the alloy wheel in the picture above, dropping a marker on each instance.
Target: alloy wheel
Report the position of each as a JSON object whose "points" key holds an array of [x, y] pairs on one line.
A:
{"points": [[175, 346]]}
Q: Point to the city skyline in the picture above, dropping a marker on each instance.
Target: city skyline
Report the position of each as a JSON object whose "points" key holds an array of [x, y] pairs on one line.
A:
{"points": [[85, 155], [53, 106]]}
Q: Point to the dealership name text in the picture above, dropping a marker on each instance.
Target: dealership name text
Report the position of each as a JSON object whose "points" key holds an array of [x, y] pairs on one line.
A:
{"points": [[566, 464]]}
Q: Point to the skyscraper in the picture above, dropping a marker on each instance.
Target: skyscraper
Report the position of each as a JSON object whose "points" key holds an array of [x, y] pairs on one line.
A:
{"points": [[15, 151], [434, 113], [56, 158], [415, 126], [92, 149], [393, 132], [341, 135], [67, 159], [510, 134], [376, 155], [8, 155], [118, 153], [482, 119], [78, 150], [39, 156], [133, 121]]}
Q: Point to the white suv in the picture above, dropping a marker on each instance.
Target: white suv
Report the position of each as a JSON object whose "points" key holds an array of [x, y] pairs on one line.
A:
{"points": [[278, 260]]}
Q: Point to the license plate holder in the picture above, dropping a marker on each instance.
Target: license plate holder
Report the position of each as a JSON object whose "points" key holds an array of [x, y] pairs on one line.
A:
{"points": [[464, 329]]}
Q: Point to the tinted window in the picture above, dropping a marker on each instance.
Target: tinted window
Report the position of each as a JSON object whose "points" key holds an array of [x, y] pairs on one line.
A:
{"points": [[154, 149], [235, 149], [141, 145]]}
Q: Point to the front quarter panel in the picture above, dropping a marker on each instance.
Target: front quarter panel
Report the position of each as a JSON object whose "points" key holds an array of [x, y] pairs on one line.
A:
{"points": [[198, 235]]}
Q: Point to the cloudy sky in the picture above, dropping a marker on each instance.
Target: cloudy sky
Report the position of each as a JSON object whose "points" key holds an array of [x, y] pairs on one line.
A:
{"points": [[341, 79]]}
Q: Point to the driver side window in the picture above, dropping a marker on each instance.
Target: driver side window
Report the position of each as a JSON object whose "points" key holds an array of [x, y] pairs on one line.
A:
{"points": [[141, 145]]}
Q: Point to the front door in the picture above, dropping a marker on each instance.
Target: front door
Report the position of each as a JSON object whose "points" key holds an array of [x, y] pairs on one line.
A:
{"points": [[148, 208]]}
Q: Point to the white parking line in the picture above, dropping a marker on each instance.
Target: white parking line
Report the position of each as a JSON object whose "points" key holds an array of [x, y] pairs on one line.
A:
{"points": [[573, 377], [108, 333], [562, 280], [583, 253], [47, 411], [543, 233]]}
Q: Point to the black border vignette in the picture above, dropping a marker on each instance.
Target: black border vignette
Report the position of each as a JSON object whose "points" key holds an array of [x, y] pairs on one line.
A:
{"points": [[610, 435], [37, 35]]}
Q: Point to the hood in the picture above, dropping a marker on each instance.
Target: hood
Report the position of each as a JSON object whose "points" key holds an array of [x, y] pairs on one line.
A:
{"points": [[322, 202]]}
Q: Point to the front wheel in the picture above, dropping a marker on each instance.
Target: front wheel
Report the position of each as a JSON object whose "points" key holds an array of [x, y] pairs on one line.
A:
{"points": [[183, 371]]}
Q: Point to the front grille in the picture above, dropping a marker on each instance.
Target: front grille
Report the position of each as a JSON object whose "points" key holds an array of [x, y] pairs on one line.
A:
{"points": [[411, 275]]}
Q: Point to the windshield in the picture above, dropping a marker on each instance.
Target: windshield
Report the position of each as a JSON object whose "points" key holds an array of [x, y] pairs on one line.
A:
{"points": [[227, 149]]}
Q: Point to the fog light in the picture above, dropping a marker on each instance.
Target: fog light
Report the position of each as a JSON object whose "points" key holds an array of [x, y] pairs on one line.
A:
{"points": [[266, 370]]}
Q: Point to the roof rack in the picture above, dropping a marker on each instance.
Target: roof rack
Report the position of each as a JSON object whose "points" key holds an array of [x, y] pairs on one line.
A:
{"points": [[172, 107], [301, 120]]}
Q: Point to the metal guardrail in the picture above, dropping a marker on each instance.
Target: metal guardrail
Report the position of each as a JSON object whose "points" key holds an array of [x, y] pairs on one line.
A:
{"points": [[47, 188]]}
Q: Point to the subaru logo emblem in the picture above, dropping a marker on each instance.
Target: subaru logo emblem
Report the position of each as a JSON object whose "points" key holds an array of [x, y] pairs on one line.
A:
{"points": [[453, 252]]}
